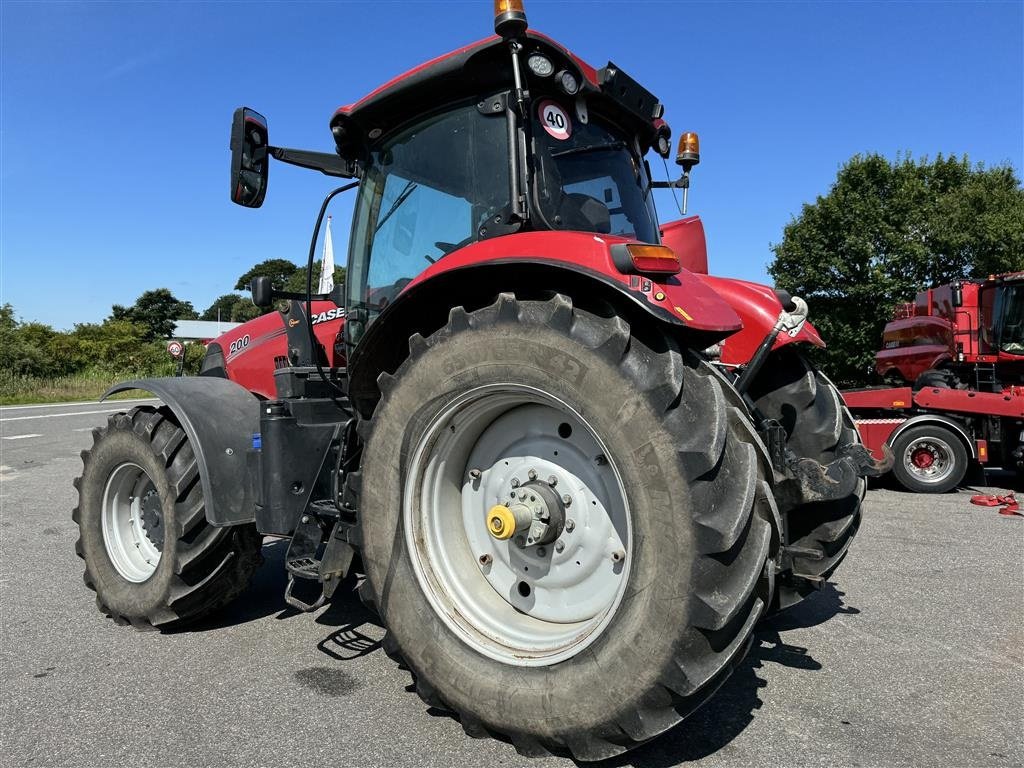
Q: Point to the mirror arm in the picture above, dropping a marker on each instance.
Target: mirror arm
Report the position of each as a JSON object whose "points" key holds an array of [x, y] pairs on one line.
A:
{"points": [[326, 163]]}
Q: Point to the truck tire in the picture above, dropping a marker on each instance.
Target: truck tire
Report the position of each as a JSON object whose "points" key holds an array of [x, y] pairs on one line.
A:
{"points": [[818, 535], [929, 459], [150, 555], [595, 642]]}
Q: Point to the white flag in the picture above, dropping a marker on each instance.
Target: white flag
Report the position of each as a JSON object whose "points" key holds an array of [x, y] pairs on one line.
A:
{"points": [[327, 268]]}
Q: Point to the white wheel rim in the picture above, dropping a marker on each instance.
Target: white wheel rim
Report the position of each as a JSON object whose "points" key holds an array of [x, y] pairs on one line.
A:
{"points": [[131, 551], [940, 459], [473, 581]]}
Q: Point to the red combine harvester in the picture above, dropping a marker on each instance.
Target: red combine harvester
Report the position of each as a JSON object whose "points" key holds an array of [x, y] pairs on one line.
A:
{"points": [[958, 353], [574, 470]]}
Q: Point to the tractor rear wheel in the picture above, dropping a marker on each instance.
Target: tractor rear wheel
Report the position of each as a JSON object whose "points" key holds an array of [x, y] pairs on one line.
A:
{"points": [[565, 526], [792, 391], [150, 555]]}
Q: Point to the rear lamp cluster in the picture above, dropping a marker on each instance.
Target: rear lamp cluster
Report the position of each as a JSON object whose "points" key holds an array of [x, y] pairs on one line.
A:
{"points": [[642, 258]]}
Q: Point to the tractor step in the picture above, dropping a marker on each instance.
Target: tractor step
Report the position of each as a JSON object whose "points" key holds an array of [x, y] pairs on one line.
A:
{"points": [[306, 561], [304, 568]]}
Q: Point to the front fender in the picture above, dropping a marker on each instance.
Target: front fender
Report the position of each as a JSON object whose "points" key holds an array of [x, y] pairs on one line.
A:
{"points": [[220, 418], [532, 264], [759, 308]]}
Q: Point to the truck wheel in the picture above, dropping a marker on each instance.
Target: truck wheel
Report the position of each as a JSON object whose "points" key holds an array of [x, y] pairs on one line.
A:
{"points": [[630, 589], [929, 459], [792, 391], [149, 553]]}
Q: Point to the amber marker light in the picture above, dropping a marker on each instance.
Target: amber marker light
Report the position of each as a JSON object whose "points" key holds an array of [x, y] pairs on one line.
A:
{"points": [[632, 258], [688, 154], [509, 18]]}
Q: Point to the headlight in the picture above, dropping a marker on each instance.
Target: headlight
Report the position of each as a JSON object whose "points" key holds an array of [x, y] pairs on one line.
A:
{"points": [[568, 81], [540, 65]]}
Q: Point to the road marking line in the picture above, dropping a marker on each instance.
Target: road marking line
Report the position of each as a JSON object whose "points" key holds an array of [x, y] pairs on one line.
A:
{"points": [[56, 415], [19, 437], [83, 429], [6, 408]]}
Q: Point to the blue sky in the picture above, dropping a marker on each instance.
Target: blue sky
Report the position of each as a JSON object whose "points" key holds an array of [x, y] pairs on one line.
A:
{"points": [[115, 118]]}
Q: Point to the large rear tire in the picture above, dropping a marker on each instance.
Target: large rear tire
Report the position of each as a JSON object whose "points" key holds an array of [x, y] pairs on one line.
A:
{"points": [[150, 555], [647, 599], [792, 391]]}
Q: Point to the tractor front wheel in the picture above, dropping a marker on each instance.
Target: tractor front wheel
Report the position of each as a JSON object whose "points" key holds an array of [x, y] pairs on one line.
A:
{"points": [[565, 526], [818, 535], [150, 555]]}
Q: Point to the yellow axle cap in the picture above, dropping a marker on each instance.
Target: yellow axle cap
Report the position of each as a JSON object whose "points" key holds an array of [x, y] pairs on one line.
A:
{"points": [[501, 523]]}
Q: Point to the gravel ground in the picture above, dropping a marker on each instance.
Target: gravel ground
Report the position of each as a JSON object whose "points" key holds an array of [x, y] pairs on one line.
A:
{"points": [[914, 655]]}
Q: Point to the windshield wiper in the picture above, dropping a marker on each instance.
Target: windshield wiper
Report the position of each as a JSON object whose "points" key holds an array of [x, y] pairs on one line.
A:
{"points": [[409, 188], [611, 145]]}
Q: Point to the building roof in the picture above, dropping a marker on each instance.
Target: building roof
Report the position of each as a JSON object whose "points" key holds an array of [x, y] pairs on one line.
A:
{"points": [[200, 330]]}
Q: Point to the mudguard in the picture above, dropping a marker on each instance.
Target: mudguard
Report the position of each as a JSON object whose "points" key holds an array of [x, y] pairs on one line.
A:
{"points": [[575, 262], [759, 308], [220, 419]]}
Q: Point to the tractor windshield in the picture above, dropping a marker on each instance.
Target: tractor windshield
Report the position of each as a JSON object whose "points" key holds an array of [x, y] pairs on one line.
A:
{"points": [[588, 178], [425, 192]]}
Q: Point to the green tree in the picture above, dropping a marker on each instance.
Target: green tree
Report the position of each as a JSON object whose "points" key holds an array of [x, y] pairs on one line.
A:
{"points": [[297, 281], [156, 311], [23, 345], [221, 307], [278, 270], [234, 308], [886, 230]]}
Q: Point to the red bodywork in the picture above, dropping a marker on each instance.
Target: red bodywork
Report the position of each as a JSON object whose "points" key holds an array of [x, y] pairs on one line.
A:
{"points": [[683, 297], [252, 349], [879, 412], [758, 308], [932, 331]]}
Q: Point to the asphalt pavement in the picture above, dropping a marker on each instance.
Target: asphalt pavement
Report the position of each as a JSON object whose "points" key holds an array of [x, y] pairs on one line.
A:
{"points": [[912, 656]]}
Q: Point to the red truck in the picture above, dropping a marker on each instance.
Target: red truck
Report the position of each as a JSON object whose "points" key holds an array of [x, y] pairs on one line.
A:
{"points": [[956, 354]]}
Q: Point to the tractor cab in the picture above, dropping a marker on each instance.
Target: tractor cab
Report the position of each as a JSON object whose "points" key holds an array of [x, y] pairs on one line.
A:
{"points": [[485, 142]]}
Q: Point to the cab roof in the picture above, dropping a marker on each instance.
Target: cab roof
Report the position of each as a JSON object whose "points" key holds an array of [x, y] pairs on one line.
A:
{"points": [[481, 69]]}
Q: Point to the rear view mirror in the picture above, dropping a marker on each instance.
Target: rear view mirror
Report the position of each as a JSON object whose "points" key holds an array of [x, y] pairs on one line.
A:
{"points": [[249, 160], [261, 288]]}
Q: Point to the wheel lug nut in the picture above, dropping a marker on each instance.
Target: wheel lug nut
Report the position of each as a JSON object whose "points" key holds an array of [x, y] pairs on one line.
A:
{"points": [[618, 556], [559, 546], [541, 551], [485, 559], [515, 482], [532, 474], [552, 481], [570, 525], [475, 474], [567, 499]]}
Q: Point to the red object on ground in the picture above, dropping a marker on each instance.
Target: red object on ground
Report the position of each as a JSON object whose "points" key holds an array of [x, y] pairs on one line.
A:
{"points": [[1010, 505]]}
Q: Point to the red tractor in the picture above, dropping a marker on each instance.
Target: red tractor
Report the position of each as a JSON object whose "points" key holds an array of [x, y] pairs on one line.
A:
{"points": [[563, 458], [956, 355]]}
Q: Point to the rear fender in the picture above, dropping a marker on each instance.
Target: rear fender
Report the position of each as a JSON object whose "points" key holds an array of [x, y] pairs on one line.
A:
{"points": [[532, 265], [759, 308], [220, 418]]}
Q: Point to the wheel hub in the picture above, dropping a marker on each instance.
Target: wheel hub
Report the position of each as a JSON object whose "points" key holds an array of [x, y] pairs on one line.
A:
{"points": [[132, 522], [152, 518], [535, 564], [534, 514], [923, 458]]}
